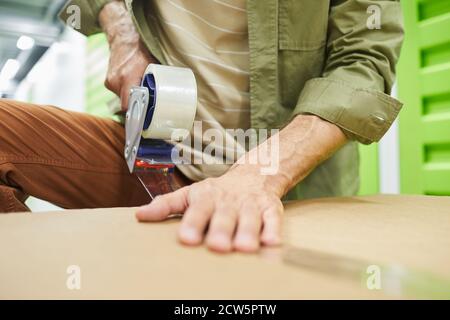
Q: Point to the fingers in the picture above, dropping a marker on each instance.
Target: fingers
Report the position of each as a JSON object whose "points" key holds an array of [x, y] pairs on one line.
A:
{"points": [[162, 206], [271, 233], [125, 91], [195, 221], [240, 224], [221, 229], [248, 232]]}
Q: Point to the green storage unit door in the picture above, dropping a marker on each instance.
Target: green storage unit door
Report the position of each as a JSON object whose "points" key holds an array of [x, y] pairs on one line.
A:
{"points": [[424, 86], [369, 173]]}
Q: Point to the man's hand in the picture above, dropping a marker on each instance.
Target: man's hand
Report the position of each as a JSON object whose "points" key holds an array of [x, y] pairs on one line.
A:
{"points": [[242, 209], [239, 210], [128, 56]]}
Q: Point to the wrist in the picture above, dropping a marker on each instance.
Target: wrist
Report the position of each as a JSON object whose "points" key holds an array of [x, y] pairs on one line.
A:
{"points": [[291, 154], [274, 184]]}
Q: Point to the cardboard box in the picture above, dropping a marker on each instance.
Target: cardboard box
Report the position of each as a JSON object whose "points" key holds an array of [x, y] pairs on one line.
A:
{"points": [[329, 246]]}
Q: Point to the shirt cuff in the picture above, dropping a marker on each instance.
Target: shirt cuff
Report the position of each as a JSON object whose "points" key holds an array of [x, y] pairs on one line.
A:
{"points": [[363, 114], [89, 11]]}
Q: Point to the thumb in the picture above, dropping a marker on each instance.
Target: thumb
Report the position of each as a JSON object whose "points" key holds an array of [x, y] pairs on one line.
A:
{"points": [[163, 206]]}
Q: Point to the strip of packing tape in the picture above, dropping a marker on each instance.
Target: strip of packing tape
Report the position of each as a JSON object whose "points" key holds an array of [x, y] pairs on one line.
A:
{"points": [[175, 103]]}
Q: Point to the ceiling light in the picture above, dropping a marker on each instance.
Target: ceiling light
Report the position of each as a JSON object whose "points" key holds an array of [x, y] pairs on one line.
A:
{"points": [[25, 43], [10, 69]]}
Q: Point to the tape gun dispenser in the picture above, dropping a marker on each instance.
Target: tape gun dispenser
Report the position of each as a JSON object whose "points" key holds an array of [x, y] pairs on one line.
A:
{"points": [[160, 113]]}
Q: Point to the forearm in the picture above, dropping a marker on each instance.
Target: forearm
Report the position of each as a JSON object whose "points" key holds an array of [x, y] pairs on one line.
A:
{"points": [[303, 144], [116, 22]]}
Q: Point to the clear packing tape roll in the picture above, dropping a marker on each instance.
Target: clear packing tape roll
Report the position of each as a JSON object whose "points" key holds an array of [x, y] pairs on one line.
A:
{"points": [[175, 102], [160, 113]]}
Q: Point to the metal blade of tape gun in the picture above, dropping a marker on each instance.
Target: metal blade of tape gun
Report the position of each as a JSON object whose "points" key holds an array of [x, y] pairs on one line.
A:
{"points": [[160, 114]]}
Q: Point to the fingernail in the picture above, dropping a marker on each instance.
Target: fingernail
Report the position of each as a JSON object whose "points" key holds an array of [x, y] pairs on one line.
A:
{"points": [[220, 237], [139, 209], [220, 242], [272, 240], [189, 234], [244, 239], [246, 243]]}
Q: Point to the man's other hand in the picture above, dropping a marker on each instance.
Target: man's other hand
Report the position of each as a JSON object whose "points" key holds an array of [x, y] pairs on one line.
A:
{"points": [[237, 211]]}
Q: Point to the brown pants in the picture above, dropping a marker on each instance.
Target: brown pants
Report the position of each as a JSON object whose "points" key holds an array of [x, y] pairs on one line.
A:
{"points": [[70, 159]]}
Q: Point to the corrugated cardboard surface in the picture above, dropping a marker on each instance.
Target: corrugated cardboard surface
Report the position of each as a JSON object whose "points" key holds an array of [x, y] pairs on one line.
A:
{"points": [[120, 258]]}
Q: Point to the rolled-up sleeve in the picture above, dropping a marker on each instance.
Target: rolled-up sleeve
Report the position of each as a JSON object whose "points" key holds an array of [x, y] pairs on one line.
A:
{"points": [[353, 91], [89, 10]]}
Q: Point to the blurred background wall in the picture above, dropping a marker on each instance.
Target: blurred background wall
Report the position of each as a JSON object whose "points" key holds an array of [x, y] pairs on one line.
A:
{"points": [[47, 63]]}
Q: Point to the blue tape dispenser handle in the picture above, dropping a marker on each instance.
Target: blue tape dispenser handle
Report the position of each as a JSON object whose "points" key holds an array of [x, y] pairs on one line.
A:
{"points": [[149, 83]]}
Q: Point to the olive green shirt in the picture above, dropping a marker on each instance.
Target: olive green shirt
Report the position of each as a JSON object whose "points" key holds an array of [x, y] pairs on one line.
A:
{"points": [[309, 57]]}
